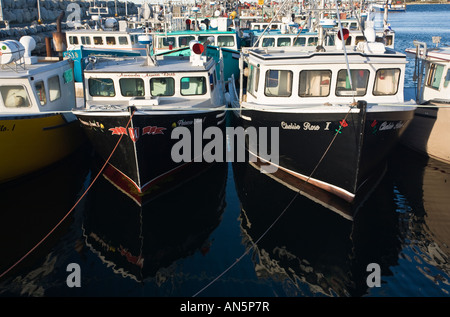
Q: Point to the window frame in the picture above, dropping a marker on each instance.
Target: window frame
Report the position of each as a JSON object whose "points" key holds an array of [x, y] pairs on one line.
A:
{"points": [[44, 101], [121, 80], [377, 78], [98, 79], [266, 79], [159, 78], [338, 92], [22, 87], [50, 88], [315, 70], [204, 88], [432, 72]]}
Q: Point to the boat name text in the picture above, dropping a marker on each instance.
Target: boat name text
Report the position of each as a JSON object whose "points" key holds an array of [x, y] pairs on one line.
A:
{"points": [[306, 126], [145, 75], [4, 128]]}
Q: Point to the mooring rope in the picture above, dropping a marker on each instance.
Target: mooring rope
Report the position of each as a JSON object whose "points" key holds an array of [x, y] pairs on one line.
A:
{"points": [[297, 193], [70, 211]]}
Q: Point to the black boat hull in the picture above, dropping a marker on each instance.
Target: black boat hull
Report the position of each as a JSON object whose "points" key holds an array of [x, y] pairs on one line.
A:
{"points": [[144, 153], [337, 152]]}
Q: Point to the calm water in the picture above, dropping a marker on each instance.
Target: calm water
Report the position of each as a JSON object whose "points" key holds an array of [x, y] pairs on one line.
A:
{"points": [[231, 231]]}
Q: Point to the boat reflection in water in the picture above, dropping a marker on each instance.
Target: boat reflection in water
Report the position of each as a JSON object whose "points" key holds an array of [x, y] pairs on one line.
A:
{"points": [[425, 184], [30, 208], [309, 244], [137, 236]]}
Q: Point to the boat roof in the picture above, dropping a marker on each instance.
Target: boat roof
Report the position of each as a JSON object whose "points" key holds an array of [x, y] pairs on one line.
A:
{"points": [[26, 70], [330, 56], [200, 32], [137, 64], [104, 32], [435, 53]]}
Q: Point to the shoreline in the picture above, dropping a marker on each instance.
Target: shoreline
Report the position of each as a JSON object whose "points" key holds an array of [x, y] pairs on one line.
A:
{"points": [[426, 2]]}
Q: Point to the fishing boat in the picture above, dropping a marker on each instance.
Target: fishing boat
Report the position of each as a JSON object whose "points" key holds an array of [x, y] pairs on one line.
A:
{"points": [[110, 37], [137, 109], [224, 42], [37, 127], [332, 115], [428, 133], [308, 31], [391, 6]]}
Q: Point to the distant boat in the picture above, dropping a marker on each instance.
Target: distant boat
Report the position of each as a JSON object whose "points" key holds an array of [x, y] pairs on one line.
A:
{"points": [[392, 6], [37, 127], [111, 38], [224, 41], [429, 131]]}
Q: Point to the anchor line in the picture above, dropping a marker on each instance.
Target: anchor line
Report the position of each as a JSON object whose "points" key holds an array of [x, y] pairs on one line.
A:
{"points": [[71, 209], [297, 193]]}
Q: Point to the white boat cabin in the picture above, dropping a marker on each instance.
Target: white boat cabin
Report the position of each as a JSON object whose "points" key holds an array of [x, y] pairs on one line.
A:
{"points": [[30, 86], [437, 80], [434, 78], [114, 35], [135, 82], [290, 76]]}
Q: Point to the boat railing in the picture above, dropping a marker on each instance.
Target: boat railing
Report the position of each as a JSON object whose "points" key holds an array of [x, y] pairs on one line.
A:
{"points": [[419, 66]]}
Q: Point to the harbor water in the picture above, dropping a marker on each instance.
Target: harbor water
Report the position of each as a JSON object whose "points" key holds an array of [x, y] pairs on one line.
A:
{"points": [[229, 231]]}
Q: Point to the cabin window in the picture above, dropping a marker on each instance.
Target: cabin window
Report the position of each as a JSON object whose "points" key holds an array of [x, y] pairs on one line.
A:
{"points": [[389, 40], [386, 82], [359, 79], [40, 90], [98, 40], [435, 75], [268, 42], [110, 40], [447, 78], [348, 41], [73, 40], [253, 80], [162, 86], [359, 39], [166, 42], [312, 41], [225, 41], [131, 87], [204, 38], [299, 41], [193, 86], [14, 96], [184, 40], [54, 89], [314, 83], [212, 80], [329, 40], [278, 83], [284, 41], [123, 40], [85, 40], [101, 87]]}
